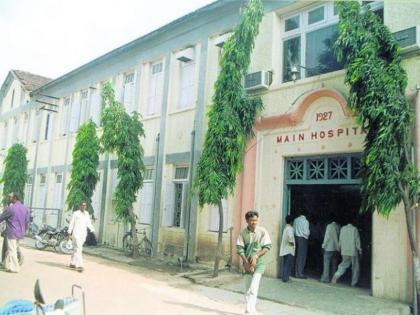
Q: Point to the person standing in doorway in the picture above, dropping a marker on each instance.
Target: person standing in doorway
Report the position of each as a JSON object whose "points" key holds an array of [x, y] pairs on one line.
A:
{"points": [[79, 223], [301, 228], [252, 245], [351, 249], [17, 222], [330, 247], [287, 249]]}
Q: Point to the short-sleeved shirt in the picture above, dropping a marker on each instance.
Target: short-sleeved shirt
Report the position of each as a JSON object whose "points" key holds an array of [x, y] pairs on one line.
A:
{"points": [[288, 241], [250, 243]]}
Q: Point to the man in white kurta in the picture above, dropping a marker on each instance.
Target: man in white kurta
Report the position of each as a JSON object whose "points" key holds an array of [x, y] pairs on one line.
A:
{"points": [[350, 248], [331, 248], [79, 223], [301, 228]]}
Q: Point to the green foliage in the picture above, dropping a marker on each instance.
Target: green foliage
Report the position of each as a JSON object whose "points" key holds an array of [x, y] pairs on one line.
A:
{"points": [[84, 175], [121, 135], [14, 176], [377, 95], [232, 115]]}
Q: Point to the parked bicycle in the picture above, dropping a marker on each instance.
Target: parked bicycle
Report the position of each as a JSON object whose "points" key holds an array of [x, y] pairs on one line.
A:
{"points": [[144, 244]]}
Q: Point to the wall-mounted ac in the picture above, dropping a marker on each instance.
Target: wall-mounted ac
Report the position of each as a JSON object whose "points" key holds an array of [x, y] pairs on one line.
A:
{"points": [[259, 80], [409, 40]]}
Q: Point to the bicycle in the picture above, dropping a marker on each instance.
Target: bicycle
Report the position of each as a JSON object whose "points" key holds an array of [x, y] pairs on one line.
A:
{"points": [[144, 246]]}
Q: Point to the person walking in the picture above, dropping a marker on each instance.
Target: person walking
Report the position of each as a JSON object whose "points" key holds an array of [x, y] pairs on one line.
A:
{"points": [[330, 247], [79, 223], [301, 228], [287, 249], [351, 249], [17, 222], [252, 245]]}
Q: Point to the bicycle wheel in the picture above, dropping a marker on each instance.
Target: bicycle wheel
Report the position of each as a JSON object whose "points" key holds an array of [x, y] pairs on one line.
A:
{"points": [[128, 244], [145, 247]]}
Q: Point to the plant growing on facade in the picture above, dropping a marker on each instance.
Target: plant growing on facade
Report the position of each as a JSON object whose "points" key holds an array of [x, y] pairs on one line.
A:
{"points": [[14, 176], [84, 174], [121, 135], [230, 119], [377, 84]]}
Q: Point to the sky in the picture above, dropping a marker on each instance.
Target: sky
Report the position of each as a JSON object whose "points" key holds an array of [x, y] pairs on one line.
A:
{"points": [[53, 37]]}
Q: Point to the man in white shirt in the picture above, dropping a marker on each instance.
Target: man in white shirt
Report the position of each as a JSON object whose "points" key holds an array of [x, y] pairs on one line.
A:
{"points": [[79, 223], [301, 228], [287, 249], [331, 248], [350, 250]]}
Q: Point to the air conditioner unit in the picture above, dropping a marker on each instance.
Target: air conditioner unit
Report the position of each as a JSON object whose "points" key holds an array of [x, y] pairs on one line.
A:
{"points": [[259, 80], [409, 40]]}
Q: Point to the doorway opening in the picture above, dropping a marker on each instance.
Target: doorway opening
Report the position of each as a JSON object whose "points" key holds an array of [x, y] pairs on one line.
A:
{"points": [[324, 185], [319, 201]]}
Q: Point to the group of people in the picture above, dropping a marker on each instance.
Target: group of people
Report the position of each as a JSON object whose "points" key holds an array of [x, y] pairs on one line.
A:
{"points": [[337, 240], [17, 218]]}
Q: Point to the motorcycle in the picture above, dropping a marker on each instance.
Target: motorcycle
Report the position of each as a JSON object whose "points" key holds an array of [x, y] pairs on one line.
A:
{"points": [[59, 240], [33, 228]]}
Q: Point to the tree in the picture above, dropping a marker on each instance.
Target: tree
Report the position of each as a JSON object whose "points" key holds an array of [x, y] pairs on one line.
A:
{"points": [[15, 167], [84, 174], [230, 119], [121, 134], [377, 84]]}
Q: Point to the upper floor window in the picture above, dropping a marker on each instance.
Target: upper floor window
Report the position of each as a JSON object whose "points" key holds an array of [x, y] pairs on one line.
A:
{"points": [[64, 121], [187, 84], [128, 96], [75, 113], [155, 95], [308, 42], [4, 136]]}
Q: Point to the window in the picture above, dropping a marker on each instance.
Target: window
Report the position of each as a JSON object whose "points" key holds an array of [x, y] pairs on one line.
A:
{"points": [[95, 106], [75, 115], [155, 96], [176, 199], [308, 42], [13, 99], [187, 85], [64, 121], [28, 190], [128, 96], [84, 106], [146, 198]]}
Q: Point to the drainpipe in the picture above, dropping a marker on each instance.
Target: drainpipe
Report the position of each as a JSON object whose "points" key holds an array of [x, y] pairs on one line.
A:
{"points": [[188, 226], [155, 217]]}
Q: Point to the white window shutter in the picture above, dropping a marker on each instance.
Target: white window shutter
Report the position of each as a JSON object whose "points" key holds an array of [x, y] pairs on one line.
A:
{"points": [[168, 216], [74, 116], [129, 97], [146, 203], [186, 93], [214, 217], [95, 107], [84, 103]]}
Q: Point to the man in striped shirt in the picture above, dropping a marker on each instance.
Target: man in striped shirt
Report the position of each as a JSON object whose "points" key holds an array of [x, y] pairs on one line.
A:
{"points": [[252, 245]]}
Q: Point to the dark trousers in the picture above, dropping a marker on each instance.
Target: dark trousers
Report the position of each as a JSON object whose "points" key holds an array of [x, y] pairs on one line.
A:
{"points": [[301, 252], [287, 267]]}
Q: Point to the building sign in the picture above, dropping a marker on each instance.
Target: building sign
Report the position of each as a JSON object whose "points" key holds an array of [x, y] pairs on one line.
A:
{"points": [[324, 125]]}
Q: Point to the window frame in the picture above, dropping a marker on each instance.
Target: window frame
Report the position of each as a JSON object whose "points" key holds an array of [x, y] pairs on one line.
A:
{"points": [[156, 109]]}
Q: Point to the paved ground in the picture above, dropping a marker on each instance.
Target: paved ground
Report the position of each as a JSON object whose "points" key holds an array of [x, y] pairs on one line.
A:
{"points": [[115, 288]]}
